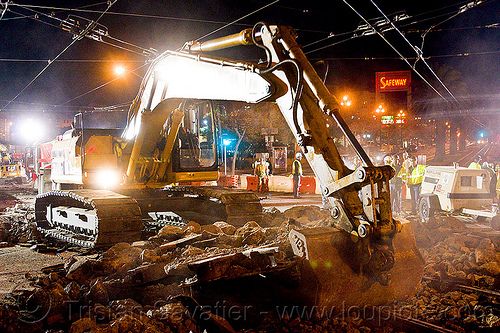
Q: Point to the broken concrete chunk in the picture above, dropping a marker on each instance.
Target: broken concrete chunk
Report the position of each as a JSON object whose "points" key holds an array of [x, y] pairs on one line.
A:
{"points": [[212, 229], [483, 256], [84, 325], [147, 273], [83, 270], [73, 290], [150, 255], [247, 229], [128, 323], [189, 239], [120, 258], [226, 228], [97, 293], [157, 294], [490, 268], [191, 227], [48, 301], [170, 233], [127, 305], [176, 316], [191, 251], [254, 237]]}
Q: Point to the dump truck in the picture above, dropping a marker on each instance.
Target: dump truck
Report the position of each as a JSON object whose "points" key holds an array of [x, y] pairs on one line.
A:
{"points": [[171, 139], [459, 191]]}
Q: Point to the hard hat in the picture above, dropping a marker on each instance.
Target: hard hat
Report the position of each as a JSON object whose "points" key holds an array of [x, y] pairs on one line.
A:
{"points": [[298, 155]]}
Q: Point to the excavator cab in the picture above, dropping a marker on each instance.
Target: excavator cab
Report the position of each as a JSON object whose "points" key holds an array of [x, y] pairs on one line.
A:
{"points": [[177, 142], [196, 146]]}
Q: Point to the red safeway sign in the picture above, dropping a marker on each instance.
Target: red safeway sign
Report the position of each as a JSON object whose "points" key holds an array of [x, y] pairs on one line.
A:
{"points": [[393, 81]]}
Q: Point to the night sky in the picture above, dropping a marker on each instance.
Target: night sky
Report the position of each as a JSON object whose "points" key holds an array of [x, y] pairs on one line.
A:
{"points": [[469, 42]]}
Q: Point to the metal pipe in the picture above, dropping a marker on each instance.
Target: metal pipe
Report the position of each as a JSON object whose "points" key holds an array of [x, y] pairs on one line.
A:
{"points": [[241, 38]]}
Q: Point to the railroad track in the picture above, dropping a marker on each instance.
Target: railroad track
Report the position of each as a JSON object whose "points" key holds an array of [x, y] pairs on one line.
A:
{"points": [[469, 157], [401, 321], [416, 325], [460, 286]]}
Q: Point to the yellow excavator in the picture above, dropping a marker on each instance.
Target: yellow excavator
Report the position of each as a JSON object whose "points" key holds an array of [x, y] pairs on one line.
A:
{"points": [[366, 255]]}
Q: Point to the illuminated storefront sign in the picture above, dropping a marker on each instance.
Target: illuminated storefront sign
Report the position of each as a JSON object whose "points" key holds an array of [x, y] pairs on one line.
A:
{"points": [[393, 81], [389, 120]]}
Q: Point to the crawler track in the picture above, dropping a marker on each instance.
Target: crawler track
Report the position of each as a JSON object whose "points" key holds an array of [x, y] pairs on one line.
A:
{"points": [[239, 206], [118, 217], [202, 204], [101, 218]]}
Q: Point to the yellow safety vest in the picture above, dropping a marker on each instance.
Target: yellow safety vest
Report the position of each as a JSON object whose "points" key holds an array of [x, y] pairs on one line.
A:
{"points": [[296, 170], [417, 175], [261, 170], [474, 165]]}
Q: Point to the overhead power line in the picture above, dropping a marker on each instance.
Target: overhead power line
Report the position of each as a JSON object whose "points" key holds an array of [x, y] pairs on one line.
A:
{"points": [[237, 20], [419, 52], [138, 15], [476, 27], [82, 34], [70, 60], [76, 25], [394, 48], [99, 87]]}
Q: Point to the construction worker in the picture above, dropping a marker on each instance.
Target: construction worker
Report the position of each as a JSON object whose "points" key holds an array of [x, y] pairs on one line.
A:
{"points": [[262, 172], [297, 174], [476, 164], [6, 159], [415, 176], [396, 183], [493, 180], [497, 171]]}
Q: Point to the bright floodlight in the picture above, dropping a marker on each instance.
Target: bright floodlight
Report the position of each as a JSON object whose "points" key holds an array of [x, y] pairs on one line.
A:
{"points": [[226, 142], [107, 178], [31, 130], [119, 70]]}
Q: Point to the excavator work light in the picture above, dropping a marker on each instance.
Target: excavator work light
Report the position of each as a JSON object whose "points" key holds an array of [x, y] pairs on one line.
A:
{"points": [[107, 178]]}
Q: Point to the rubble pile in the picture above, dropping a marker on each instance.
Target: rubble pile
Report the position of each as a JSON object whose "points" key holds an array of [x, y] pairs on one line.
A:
{"points": [[17, 225], [6, 200], [143, 287], [139, 287], [461, 277]]}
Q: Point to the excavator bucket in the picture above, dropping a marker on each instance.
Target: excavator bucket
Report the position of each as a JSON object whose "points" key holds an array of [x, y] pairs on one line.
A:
{"points": [[330, 271]]}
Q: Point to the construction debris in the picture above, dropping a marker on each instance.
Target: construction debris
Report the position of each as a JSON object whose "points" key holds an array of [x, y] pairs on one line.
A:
{"points": [[148, 286]]}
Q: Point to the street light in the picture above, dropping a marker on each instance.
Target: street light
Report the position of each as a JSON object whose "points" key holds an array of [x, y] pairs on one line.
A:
{"points": [[401, 119], [380, 110], [225, 143], [119, 70], [345, 101], [32, 130]]}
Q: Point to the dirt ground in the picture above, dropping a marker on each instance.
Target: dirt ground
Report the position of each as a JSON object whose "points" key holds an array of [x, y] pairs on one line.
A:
{"points": [[118, 289]]}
